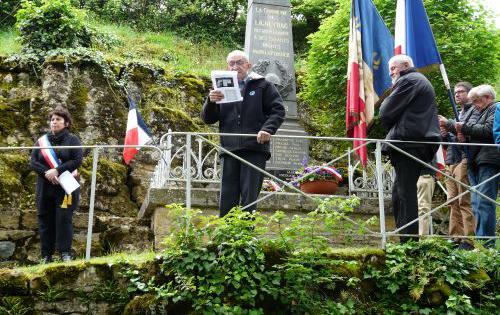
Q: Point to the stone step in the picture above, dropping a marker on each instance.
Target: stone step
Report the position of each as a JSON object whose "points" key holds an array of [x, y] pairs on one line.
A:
{"points": [[207, 198]]}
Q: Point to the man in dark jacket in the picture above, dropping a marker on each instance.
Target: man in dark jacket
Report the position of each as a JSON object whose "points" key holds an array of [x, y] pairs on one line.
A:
{"points": [[477, 127], [410, 114], [462, 220], [260, 112]]}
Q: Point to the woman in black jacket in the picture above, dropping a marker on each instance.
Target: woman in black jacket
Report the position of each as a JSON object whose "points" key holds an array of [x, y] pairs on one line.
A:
{"points": [[55, 208]]}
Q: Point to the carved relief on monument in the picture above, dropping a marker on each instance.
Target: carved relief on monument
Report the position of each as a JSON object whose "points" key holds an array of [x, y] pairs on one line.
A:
{"points": [[276, 72]]}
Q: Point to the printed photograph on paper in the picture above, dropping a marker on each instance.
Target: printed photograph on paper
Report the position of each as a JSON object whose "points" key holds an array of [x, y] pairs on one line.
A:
{"points": [[227, 83]]}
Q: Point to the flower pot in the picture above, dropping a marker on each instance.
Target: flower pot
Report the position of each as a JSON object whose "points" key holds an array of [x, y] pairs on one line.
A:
{"points": [[324, 187]]}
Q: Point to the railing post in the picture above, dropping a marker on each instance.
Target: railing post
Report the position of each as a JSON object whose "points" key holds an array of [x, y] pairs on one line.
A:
{"points": [[349, 170], [188, 171], [168, 156], [91, 203], [380, 187]]}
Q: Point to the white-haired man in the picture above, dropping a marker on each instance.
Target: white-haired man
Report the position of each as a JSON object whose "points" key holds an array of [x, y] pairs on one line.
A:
{"points": [[260, 112], [477, 127], [410, 114]]}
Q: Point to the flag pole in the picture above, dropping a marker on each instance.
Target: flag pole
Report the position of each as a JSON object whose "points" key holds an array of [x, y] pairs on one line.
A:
{"points": [[448, 88]]}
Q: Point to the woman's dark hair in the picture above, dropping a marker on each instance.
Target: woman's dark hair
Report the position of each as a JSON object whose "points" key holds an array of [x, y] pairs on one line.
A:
{"points": [[62, 111]]}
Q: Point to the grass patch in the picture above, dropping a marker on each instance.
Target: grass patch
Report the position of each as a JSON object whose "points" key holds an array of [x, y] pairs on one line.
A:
{"points": [[9, 42], [135, 258], [164, 50]]}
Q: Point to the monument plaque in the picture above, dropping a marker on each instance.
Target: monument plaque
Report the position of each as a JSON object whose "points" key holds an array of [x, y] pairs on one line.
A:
{"points": [[269, 45]]}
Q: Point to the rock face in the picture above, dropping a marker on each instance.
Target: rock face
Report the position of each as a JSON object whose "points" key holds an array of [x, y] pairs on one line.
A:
{"points": [[108, 288], [94, 93]]}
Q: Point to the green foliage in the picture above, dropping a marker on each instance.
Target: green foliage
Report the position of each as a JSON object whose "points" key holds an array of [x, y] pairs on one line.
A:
{"points": [[468, 44], [307, 16], [196, 19], [430, 275], [220, 266], [8, 9], [49, 24], [13, 305]]}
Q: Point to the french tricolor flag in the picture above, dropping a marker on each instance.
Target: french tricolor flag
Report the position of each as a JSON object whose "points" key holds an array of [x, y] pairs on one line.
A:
{"points": [[137, 132], [370, 48]]}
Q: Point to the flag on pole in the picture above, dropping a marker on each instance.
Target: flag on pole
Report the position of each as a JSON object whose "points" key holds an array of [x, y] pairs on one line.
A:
{"points": [[137, 132], [413, 34], [413, 37], [370, 48]]}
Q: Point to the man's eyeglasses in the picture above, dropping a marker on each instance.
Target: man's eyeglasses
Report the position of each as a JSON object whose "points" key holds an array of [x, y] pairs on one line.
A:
{"points": [[238, 63]]}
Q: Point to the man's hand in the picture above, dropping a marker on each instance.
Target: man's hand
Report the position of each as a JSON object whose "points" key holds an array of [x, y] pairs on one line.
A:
{"points": [[52, 175], [442, 121], [215, 96], [443, 132], [458, 127], [263, 137]]}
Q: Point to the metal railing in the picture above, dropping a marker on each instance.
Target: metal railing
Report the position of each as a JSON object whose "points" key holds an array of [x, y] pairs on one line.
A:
{"points": [[380, 179], [95, 155]]}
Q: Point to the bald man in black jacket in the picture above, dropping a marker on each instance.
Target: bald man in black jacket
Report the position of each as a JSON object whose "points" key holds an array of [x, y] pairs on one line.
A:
{"points": [[260, 112], [410, 114]]}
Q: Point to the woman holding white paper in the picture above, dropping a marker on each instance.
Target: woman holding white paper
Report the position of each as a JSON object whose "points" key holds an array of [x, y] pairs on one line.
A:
{"points": [[55, 207]]}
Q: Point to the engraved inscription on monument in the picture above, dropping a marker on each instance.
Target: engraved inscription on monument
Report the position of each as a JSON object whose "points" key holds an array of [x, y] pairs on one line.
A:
{"points": [[288, 153], [269, 45]]}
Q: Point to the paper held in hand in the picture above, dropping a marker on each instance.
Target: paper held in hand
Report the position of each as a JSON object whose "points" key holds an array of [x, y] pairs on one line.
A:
{"points": [[227, 83], [68, 182]]}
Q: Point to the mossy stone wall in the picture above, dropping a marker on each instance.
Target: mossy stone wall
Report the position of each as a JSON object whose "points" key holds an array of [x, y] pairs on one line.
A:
{"points": [[96, 95]]}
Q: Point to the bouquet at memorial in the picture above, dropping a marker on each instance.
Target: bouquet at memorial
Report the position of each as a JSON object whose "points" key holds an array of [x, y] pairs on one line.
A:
{"points": [[270, 185], [317, 173]]}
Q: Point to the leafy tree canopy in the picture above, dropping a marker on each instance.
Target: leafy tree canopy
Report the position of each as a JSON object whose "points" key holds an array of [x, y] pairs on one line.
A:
{"points": [[49, 24], [467, 41]]}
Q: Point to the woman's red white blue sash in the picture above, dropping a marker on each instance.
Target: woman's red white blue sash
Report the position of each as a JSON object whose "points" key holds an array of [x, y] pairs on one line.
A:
{"points": [[47, 152]]}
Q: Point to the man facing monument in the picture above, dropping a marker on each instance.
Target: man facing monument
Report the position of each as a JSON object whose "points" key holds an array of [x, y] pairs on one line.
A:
{"points": [[260, 112], [410, 114]]}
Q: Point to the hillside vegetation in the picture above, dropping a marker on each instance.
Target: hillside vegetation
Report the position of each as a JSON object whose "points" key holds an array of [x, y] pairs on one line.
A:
{"points": [[160, 49]]}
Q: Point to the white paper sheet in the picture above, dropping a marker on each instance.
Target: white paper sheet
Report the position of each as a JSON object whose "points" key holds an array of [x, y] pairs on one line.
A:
{"points": [[68, 182], [227, 83]]}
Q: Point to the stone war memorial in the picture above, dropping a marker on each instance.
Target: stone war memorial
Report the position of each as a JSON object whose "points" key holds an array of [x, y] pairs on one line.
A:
{"points": [[147, 238], [269, 44]]}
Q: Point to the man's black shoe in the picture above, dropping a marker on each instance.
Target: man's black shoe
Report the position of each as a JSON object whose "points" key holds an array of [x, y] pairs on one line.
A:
{"points": [[466, 246]]}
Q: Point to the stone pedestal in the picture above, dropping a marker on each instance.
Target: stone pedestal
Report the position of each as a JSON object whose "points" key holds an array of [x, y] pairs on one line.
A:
{"points": [[269, 45]]}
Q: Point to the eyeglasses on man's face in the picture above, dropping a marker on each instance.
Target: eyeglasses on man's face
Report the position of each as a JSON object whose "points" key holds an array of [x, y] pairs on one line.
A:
{"points": [[239, 62]]}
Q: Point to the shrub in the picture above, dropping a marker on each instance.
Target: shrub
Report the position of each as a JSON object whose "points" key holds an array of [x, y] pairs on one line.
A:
{"points": [[222, 20], [431, 277], [49, 24]]}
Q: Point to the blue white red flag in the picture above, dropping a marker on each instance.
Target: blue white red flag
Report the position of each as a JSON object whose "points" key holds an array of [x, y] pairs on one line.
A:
{"points": [[370, 48], [137, 132], [414, 38], [414, 34]]}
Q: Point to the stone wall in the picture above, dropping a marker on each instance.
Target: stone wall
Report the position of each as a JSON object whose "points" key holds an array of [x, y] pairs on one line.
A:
{"points": [[95, 93], [100, 286]]}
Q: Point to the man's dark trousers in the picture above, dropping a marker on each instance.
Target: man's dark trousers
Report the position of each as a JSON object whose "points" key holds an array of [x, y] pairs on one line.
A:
{"points": [[404, 190], [241, 184]]}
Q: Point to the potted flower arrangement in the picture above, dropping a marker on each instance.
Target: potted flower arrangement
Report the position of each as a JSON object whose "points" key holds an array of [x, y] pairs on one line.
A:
{"points": [[270, 185], [318, 179]]}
